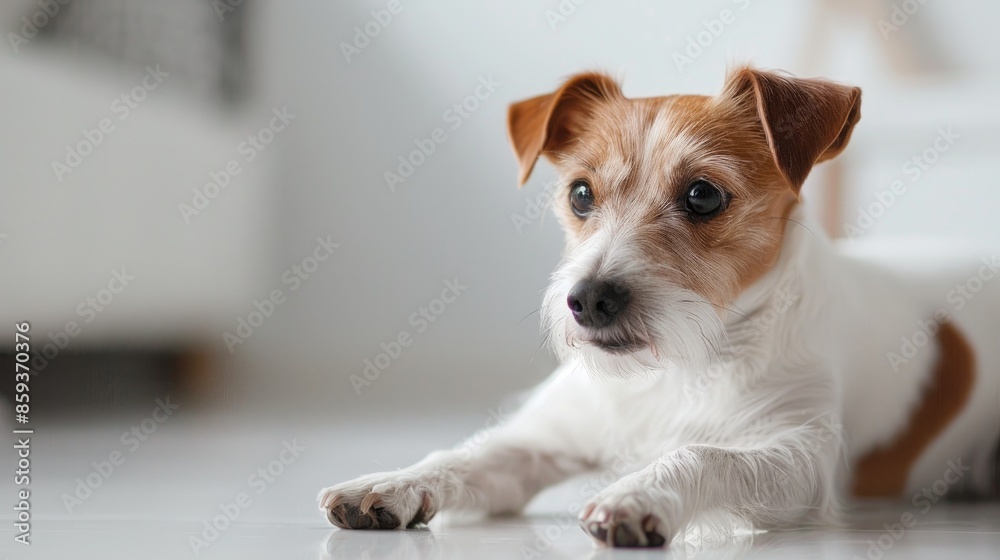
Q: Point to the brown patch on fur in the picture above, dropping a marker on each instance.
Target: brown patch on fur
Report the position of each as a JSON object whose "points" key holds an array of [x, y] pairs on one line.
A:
{"points": [[757, 140], [884, 471]]}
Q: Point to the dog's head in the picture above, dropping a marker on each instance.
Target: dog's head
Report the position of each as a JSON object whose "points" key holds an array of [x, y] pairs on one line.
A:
{"points": [[671, 205]]}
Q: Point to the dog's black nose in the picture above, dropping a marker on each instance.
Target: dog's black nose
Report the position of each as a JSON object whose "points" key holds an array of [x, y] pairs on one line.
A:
{"points": [[596, 303]]}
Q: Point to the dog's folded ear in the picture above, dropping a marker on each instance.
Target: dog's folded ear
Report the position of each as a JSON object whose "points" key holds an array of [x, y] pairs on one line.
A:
{"points": [[805, 121], [547, 123]]}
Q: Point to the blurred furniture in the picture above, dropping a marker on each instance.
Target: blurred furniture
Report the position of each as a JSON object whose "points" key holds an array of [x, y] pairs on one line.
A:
{"points": [[65, 236], [919, 85]]}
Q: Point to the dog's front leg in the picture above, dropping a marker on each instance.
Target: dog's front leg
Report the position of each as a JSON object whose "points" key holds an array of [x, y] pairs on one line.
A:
{"points": [[766, 487], [547, 441]]}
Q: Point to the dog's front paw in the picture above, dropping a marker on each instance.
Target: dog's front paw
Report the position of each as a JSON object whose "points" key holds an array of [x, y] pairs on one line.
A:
{"points": [[630, 517], [379, 501]]}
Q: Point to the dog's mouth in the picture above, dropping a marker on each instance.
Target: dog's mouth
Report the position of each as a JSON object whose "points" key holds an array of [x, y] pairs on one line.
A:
{"points": [[611, 342], [618, 345]]}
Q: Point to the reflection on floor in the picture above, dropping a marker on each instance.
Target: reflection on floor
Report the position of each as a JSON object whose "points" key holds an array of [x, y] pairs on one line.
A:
{"points": [[190, 472]]}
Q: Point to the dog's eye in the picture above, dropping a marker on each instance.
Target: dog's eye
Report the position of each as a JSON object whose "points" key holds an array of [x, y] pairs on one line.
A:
{"points": [[704, 200], [581, 198]]}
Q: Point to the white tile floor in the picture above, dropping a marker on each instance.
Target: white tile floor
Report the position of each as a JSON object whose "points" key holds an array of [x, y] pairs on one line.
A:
{"points": [[160, 497]]}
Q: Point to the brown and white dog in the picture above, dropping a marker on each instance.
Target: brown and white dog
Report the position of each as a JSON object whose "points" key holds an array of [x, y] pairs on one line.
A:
{"points": [[705, 325]]}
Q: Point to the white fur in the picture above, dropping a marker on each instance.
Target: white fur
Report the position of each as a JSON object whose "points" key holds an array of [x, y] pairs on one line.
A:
{"points": [[740, 420]]}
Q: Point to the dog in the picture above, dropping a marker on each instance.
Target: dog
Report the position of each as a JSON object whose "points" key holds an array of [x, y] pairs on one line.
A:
{"points": [[762, 374]]}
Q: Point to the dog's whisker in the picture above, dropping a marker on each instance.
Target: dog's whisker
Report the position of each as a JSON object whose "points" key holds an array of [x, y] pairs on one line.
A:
{"points": [[794, 222], [723, 307], [528, 315], [535, 353]]}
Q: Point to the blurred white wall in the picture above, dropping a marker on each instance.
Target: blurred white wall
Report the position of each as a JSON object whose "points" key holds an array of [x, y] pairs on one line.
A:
{"points": [[453, 217]]}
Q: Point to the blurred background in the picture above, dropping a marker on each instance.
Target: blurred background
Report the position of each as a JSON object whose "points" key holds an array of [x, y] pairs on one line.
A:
{"points": [[306, 214]]}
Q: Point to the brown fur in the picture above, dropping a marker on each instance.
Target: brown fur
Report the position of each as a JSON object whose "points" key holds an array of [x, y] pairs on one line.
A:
{"points": [[885, 471]]}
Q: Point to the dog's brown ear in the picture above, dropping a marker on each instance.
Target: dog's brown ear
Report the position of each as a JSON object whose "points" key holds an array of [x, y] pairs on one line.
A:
{"points": [[547, 123], [805, 121]]}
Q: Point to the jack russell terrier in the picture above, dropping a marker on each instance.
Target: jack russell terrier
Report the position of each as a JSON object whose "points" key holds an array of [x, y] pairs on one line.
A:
{"points": [[705, 325]]}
